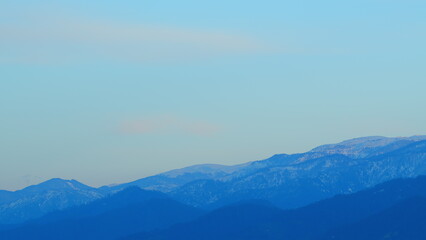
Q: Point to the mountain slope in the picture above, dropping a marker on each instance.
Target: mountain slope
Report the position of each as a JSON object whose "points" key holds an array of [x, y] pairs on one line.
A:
{"points": [[291, 181], [287, 181], [125, 213], [307, 223], [367, 146], [121, 199], [173, 179], [354, 148], [37, 200], [240, 221], [405, 220]]}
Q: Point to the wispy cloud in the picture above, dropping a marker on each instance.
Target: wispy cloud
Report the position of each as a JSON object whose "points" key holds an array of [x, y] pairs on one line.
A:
{"points": [[164, 125], [62, 39]]}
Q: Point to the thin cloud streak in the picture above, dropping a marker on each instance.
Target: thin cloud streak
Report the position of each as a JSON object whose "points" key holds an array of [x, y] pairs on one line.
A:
{"points": [[53, 39]]}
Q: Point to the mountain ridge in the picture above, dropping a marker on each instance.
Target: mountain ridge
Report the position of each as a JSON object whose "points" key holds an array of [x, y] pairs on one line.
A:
{"points": [[312, 222], [126, 212], [283, 179]]}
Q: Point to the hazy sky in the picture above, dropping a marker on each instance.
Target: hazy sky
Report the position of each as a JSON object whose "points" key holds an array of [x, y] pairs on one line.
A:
{"points": [[112, 91]]}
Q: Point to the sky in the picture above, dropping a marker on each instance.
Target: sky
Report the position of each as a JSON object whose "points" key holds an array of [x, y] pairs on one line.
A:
{"points": [[112, 91]]}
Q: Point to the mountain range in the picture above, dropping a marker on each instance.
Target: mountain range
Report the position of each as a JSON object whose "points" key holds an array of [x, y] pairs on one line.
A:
{"points": [[290, 181], [129, 211], [392, 210], [286, 181]]}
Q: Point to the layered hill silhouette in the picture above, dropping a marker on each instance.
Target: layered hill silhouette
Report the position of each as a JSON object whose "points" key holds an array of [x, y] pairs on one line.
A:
{"points": [[405, 220], [393, 210], [366, 188], [286, 181], [127, 212], [124, 198]]}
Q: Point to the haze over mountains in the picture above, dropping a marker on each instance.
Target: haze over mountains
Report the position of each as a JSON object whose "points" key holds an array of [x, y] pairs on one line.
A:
{"points": [[285, 180], [276, 197], [396, 208]]}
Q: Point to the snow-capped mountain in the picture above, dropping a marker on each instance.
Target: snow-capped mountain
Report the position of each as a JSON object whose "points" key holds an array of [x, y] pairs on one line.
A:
{"points": [[173, 179], [287, 180], [295, 180], [367, 146], [37, 200]]}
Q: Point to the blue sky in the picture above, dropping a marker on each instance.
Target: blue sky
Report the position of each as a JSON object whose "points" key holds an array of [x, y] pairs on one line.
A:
{"points": [[112, 91]]}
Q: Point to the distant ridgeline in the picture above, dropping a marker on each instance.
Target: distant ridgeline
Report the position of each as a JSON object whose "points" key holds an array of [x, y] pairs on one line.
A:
{"points": [[298, 196]]}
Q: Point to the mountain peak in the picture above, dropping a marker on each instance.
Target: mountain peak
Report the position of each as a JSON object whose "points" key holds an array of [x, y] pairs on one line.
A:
{"points": [[367, 146], [57, 184]]}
